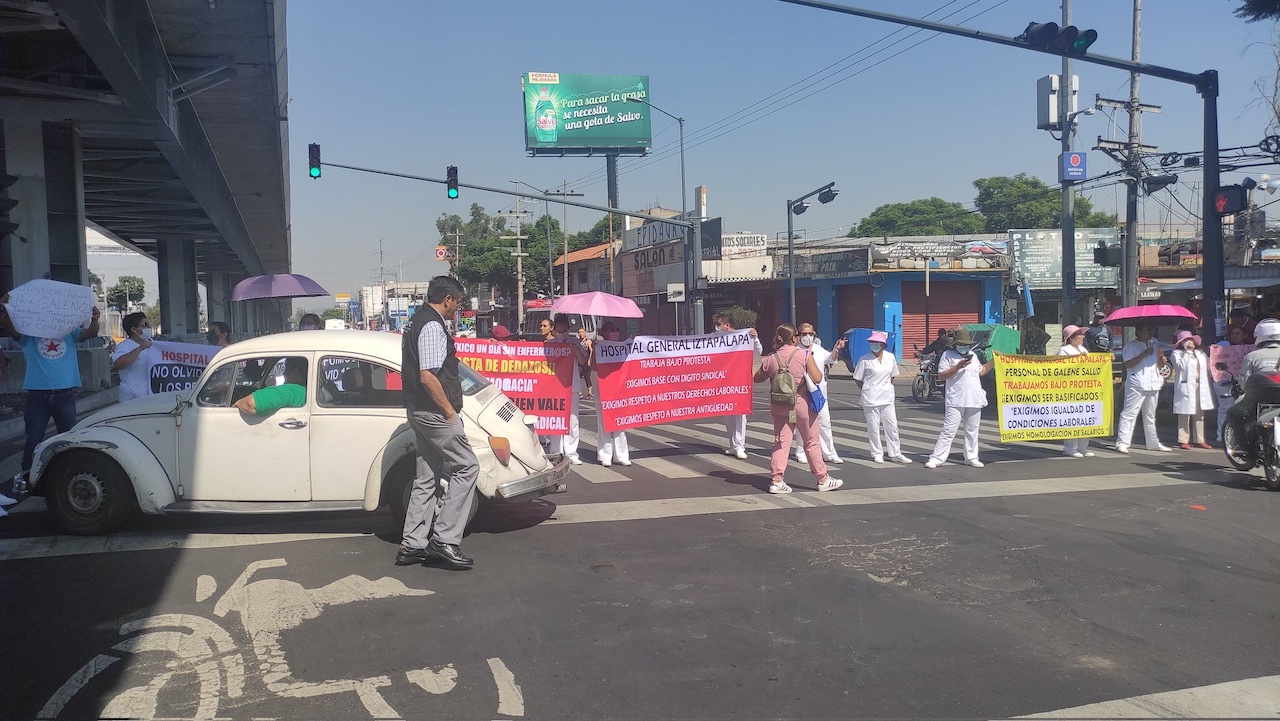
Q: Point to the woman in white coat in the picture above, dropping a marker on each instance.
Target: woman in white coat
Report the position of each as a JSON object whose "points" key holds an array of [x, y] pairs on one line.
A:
{"points": [[874, 374], [1073, 344], [1192, 389]]}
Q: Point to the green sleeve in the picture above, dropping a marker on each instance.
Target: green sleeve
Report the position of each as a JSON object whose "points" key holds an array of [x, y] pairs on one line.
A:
{"points": [[271, 399]]}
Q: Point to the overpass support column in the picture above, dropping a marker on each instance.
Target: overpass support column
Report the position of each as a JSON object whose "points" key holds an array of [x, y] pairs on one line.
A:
{"points": [[179, 293], [50, 241], [218, 304], [237, 311]]}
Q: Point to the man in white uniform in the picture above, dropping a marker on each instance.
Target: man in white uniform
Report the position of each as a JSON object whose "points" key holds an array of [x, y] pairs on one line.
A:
{"points": [[824, 359], [1143, 359], [736, 425], [962, 371], [874, 374]]}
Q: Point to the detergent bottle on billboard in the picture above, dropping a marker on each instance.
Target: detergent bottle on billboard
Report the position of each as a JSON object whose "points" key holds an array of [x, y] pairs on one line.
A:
{"points": [[544, 117]]}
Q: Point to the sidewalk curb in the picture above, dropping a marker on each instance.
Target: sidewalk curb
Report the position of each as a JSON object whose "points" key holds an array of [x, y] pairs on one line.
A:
{"points": [[17, 427]]}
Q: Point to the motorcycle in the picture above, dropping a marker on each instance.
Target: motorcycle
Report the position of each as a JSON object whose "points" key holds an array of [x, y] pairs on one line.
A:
{"points": [[926, 382], [1261, 445]]}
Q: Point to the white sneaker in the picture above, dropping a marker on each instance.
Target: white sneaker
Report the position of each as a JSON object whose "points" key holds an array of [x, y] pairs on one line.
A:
{"points": [[835, 459], [624, 463], [6, 501], [575, 461], [1161, 447], [1122, 449], [779, 488], [1088, 454], [932, 463], [976, 463], [606, 464], [830, 484], [740, 455], [900, 459], [800, 458], [878, 459], [1077, 454]]}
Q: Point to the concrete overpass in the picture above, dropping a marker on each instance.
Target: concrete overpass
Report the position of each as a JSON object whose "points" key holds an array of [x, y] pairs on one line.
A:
{"points": [[165, 123]]}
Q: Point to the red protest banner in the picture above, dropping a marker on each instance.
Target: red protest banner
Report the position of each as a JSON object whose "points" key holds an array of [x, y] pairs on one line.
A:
{"points": [[537, 377], [659, 379]]}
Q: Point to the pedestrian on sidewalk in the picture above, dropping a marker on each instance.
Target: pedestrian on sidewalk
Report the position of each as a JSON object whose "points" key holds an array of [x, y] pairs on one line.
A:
{"points": [[1236, 335], [962, 370], [126, 359], [1143, 359], [53, 376], [789, 408], [433, 399], [874, 374], [824, 359], [1073, 344], [610, 447], [567, 445], [1192, 390], [736, 426]]}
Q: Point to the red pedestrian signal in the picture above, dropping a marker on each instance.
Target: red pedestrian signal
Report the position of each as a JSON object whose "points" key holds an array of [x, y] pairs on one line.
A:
{"points": [[1230, 199]]}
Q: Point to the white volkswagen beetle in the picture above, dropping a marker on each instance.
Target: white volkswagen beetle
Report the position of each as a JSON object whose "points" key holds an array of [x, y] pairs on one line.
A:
{"points": [[350, 447]]}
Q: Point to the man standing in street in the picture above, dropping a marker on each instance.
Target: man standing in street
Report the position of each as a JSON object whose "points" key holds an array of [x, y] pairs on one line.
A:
{"points": [[736, 425], [433, 398], [53, 376]]}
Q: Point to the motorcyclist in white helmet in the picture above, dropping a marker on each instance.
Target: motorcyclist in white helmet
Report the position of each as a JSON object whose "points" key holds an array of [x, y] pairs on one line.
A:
{"points": [[1266, 359]]}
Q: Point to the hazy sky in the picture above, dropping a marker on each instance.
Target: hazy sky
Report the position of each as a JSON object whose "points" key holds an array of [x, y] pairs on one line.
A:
{"points": [[414, 86]]}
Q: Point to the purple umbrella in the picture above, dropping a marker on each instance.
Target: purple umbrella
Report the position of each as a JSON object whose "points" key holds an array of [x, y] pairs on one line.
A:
{"points": [[280, 285]]}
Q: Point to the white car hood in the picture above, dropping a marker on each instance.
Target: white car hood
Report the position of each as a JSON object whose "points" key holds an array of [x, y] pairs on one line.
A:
{"points": [[158, 404]]}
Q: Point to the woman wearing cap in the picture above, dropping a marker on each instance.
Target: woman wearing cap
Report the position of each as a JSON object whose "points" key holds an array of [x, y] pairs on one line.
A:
{"points": [[1192, 389], [874, 374], [1143, 359], [1073, 344], [962, 371]]}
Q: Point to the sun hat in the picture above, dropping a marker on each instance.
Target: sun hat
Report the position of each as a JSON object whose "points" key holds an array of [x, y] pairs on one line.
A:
{"points": [[962, 337], [878, 337], [1071, 331], [1185, 335]]}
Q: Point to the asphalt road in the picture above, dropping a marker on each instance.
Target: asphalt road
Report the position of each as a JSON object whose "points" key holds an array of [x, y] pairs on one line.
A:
{"points": [[678, 589]]}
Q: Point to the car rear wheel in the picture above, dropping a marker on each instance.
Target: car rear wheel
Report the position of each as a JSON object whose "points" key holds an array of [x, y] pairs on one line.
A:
{"points": [[88, 493]]}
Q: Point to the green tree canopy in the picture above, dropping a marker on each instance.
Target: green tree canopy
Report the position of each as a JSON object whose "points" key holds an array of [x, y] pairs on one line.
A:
{"points": [[1022, 201], [598, 234], [1255, 10], [334, 314], [927, 216], [129, 289]]}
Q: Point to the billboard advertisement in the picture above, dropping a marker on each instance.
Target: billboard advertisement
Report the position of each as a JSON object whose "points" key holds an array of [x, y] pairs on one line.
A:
{"points": [[583, 114], [1037, 258]]}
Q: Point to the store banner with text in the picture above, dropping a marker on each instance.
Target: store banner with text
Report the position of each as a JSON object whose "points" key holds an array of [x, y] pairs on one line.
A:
{"points": [[537, 377], [1049, 398], [176, 366], [659, 379]]}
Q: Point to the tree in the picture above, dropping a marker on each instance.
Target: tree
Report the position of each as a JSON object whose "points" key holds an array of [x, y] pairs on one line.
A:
{"points": [[1022, 201], [128, 290], [598, 235], [334, 314], [927, 216], [1268, 87], [1254, 10], [153, 317], [95, 282]]}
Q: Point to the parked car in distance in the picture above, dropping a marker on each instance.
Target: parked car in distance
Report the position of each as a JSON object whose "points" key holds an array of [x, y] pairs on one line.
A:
{"points": [[348, 448]]}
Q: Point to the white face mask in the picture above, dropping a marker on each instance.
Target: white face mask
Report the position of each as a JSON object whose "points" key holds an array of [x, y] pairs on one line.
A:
{"points": [[876, 347], [806, 340], [146, 333], [1189, 345], [962, 349]]}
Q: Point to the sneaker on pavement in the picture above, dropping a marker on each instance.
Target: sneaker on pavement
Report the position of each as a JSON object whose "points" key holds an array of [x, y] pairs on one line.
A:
{"points": [[900, 459], [975, 463], [835, 459], [740, 455], [1184, 446], [1205, 446], [932, 463], [1122, 449], [624, 463], [1161, 447], [606, 464], [801, 459], [7, 501], [1088, 454], [779, 488], [878, 459], [1077, 454], [576, 461], [830, 484]]}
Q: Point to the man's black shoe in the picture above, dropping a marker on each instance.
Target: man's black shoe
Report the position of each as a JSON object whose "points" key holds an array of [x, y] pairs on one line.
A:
{"points": [[412, 556], [450, 555]]}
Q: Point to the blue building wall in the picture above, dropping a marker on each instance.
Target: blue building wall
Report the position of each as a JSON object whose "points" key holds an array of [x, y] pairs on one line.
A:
{"points": [[888, 297]]}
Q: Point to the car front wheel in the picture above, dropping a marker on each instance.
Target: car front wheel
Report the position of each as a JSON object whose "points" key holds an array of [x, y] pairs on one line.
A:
{"points": [[88, 493]]}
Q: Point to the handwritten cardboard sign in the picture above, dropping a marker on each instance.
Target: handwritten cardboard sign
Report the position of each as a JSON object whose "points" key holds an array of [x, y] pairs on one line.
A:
{"points": [[1230, 355], [49, 308]]}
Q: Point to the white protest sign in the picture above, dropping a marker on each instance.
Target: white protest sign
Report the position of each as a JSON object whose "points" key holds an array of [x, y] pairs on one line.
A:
{"points": [[49, 308], [176, 366]]}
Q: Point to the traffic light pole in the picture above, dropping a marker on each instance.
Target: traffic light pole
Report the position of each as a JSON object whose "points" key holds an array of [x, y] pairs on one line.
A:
{"points": [[1066, 92], [1206, 84]]}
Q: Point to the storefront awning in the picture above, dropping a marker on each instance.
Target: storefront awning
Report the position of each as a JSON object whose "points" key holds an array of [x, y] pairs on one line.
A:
{"points": [[1231, 284]]}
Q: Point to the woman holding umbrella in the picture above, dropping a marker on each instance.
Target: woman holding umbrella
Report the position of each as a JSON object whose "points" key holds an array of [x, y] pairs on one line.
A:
{"points": [[1143, 360]]}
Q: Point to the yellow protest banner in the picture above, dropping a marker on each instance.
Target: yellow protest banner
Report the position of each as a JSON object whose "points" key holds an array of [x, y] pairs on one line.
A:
{"points": [[1047, 398]]}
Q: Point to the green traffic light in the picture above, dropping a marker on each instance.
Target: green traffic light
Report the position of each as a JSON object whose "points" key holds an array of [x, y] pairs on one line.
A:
{"points": [[1083, 41], [315, 171], [453, 192]]}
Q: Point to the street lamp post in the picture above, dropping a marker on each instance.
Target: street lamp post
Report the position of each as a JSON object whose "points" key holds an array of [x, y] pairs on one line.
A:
{"points": [[693, 264], [826, 194]]}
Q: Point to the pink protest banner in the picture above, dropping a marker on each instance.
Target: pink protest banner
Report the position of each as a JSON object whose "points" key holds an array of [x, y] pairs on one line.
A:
{"points": [[658, 379], [1230, 355], [537, 377]]}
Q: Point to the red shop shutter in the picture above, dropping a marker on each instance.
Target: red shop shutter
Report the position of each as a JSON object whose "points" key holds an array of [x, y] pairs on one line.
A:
{"points": [[951, 305]]}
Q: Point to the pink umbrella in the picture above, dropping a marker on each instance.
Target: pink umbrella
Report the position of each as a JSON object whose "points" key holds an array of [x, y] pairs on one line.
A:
{"points": [[1157, 314], [597, 303], [280, 285]]}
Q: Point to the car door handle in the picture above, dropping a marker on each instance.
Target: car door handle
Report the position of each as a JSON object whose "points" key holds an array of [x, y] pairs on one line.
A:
{"points": [[293, 424]]}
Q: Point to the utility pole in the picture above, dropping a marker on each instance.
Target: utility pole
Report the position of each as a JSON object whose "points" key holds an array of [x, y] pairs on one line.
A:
{"points": [[382, 284], [1129, 156], [564, 192], [1066, 92], [457, 249], [519, 256]]}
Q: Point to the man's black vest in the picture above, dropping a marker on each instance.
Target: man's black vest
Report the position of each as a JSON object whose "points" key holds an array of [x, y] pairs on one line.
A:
{"points": [[416, 397]]}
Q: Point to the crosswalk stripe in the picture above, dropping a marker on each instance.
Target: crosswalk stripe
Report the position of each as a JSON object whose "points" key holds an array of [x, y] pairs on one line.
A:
{"points": [[596, 473]]}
